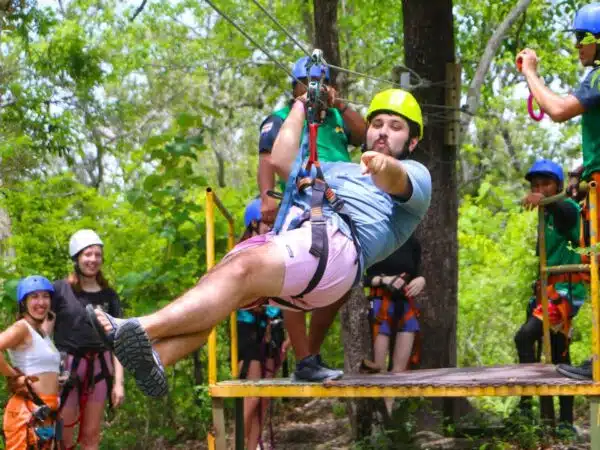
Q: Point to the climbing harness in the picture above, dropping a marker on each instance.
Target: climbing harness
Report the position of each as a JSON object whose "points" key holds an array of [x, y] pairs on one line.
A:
{"points": [[530, 109], [85, 386], [316, 107], [387, 297], [43, 430]]}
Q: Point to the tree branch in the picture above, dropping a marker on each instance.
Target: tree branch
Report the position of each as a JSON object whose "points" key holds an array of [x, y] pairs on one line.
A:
{"points": [[474, 92], [138, 10], [7, 104], [512, 151]]}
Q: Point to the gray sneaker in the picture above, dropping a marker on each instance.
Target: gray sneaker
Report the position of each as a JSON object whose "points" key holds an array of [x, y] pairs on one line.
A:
{"points": [[311, 369], [582, 372]]}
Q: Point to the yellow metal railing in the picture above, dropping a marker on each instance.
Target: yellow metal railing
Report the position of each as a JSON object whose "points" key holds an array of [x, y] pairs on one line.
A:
{"points": [[216, 437], [592, 268], [211, 201], [594, 281]]}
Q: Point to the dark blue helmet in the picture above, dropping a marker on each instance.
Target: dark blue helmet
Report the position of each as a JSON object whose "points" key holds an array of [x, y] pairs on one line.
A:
{"points": [[588, 19], [252, 212], [31, 284], [299, 70], [546, 167]]}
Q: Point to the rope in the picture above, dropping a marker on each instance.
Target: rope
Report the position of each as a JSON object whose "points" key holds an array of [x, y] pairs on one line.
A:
{"points": [[256, 44], [281, 27], [420, 82]]}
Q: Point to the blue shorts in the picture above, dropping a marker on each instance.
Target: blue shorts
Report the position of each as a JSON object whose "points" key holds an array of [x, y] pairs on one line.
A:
{"points": [[383, 313]]}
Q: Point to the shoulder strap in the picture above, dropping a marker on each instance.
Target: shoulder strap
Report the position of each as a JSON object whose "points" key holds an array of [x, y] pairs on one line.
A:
{"points": [[290, 186]]}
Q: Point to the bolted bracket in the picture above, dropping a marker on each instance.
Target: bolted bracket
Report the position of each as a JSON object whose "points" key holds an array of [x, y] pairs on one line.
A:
{"points": [[451, 135]]}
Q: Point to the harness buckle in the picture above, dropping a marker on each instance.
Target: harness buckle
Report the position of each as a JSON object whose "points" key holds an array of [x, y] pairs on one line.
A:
{"points": [[41, 413]]}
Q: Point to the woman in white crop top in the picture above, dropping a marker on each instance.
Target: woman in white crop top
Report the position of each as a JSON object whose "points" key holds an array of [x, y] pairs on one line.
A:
{"points": [[33, 375]]}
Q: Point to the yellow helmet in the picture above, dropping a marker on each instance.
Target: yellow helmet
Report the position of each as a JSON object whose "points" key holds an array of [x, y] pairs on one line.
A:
{"points": [[397, 101]]}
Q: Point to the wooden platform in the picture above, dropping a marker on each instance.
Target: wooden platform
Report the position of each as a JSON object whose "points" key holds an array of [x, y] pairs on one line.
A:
{"points": [[497, 381]]}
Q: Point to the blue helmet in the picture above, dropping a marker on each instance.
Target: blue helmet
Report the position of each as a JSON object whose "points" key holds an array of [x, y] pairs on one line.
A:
{"points": [[547, 168], [299, 70], [31, 284], [252, 212], [588, 19]]}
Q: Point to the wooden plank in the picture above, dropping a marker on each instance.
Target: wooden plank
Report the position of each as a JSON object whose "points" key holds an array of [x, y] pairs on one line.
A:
{"points": [[595, 421], [218, 412], [501, 381], [307, 391]]}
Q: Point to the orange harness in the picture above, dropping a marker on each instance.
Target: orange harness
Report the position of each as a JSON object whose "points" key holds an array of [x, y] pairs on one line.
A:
{"points": [[585, 228], [396, 322], [557, 302]]}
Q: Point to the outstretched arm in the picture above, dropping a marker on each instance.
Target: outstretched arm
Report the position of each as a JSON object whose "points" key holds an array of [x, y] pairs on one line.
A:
{"points": [[387, 173], [557, 107], [287, 143]]}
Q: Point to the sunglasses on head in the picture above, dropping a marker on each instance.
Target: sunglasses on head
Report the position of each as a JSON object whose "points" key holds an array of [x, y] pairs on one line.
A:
{"points": [[584, 37]]}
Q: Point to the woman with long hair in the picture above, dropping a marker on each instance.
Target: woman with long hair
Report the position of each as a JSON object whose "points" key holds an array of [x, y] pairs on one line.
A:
{"points": [[95, 374], [31, 412]]}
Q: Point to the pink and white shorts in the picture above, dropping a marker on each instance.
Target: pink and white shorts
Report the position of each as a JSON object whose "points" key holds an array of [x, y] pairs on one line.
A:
{"points": [[300, 265]]}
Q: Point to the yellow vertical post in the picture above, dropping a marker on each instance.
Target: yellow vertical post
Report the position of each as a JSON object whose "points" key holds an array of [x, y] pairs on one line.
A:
{"points": [[593, 206], [543, 284], [211, 440], [210, 262], [233, 315]]}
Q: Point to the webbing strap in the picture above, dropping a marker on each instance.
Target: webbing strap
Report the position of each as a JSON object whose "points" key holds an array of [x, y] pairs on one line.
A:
{"points": [[288, 305], [319, 241], [105, 375], [71, 382]]}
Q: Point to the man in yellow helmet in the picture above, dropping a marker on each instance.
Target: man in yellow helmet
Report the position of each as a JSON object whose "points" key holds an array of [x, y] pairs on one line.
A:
{"points": [[376, 206]]}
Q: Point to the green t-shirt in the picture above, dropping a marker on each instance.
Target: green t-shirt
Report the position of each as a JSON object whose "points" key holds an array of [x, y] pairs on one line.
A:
{"points": [[588, 95], [332, 142], [559, 249]]}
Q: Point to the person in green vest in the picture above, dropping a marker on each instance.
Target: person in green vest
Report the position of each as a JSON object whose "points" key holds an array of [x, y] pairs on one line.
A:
{"points": [[566, 291], [583, 101], [341, 126]]}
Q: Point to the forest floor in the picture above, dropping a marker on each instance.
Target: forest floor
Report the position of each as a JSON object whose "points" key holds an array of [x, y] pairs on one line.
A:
{"points": [[321, 424]]}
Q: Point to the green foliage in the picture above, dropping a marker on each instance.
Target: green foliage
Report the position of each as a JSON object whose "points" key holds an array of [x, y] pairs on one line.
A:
{"points": [[121, 125], [497, 267]]}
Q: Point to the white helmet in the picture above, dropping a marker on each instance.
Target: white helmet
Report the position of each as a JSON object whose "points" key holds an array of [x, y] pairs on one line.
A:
{"points": [[83, 239]]}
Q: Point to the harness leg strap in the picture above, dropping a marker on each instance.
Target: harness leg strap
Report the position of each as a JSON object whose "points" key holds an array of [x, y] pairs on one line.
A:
{"points": [[318, 228]]}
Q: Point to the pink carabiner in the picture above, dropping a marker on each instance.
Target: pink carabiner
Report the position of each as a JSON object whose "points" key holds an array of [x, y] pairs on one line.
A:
{"points": [[535, 116], [520, 64]]}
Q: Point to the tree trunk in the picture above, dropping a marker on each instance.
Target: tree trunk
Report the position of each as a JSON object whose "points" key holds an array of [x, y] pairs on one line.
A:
{"points": [[308, 22], [326, 32], [354, 315], [6, 251], [428, 46], [358, 344]]}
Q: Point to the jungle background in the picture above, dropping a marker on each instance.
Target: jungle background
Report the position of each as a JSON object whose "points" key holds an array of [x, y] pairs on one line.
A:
{"points": [[117, 115]]}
